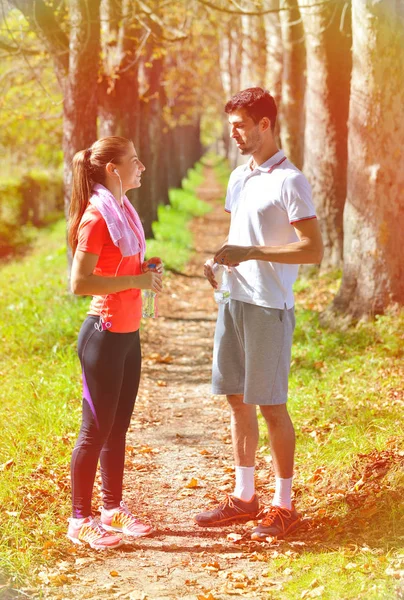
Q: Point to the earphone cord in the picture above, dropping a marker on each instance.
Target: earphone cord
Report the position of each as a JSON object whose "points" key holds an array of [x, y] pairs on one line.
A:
{"points": [[100, 320]]}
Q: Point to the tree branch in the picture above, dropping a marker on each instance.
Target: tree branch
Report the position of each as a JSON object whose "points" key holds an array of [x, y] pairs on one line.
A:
{"points": [[16, 49], [42, 19], [256, 13]]}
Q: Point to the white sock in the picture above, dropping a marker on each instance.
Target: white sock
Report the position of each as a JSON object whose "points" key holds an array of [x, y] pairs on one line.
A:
{"points": [[110, 511], [78, 522], [283, 493], [244, 483]]}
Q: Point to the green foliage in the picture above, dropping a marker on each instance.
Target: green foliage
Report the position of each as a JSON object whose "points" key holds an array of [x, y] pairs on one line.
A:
{"points": [[31, 102], [34, 199], [173, 240], [40, 379]]}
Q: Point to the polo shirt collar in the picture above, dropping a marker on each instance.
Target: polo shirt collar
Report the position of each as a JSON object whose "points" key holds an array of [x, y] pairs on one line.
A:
{"points": [[271, 162]]}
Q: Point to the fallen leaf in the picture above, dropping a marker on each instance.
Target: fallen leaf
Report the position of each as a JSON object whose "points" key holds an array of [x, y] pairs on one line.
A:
{"points": [[114, 573], [7, 464], [161, 383], [313, 593], [137, 595], [211, 566], [234, 537], [193, 483], [369, 511]]}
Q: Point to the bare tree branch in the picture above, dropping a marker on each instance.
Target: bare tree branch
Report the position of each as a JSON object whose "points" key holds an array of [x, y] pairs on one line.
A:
{"points": [[16, 50], [255, 13]]}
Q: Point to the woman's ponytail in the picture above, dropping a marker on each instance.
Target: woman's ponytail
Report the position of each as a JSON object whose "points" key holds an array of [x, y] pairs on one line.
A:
{"points": [[88, 169], [81, 192]]}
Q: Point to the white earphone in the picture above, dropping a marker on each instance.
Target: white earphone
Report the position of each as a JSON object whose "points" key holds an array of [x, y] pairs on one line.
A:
{"points": [[120, 183]]}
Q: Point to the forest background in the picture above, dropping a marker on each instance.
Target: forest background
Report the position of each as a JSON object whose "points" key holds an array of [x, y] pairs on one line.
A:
{"points": [[160, 72]]}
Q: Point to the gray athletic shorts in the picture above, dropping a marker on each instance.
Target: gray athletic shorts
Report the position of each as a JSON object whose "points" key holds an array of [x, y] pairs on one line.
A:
{"points": [[251, 353]]}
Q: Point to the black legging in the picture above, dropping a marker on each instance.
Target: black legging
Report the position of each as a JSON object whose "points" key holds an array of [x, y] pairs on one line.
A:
{"points": [[111, 371]]}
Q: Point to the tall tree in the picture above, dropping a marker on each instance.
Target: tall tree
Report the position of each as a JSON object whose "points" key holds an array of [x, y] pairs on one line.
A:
{"points": [[373, 275], [326, 114], [75, 54], [274, 53], [293, 82]]}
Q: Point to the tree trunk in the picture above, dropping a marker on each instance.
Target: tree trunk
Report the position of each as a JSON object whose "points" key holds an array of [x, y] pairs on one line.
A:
{"points": [[329, 66], [80, 100], [293, 82], [373, 274], [119, 106], [274, 54]]}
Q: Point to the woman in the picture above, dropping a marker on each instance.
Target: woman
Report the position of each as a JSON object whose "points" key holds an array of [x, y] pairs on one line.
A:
{"points": [[108, 244]]}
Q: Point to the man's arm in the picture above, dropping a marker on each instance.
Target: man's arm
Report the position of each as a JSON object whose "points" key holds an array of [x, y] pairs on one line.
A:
{"points": [[308, 250]]}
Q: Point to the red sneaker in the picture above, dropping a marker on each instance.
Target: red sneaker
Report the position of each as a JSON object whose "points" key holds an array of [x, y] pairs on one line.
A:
{"points": [[278, 522]]}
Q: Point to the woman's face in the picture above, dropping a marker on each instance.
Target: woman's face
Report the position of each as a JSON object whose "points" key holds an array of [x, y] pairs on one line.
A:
{"points": [[130, 170]]}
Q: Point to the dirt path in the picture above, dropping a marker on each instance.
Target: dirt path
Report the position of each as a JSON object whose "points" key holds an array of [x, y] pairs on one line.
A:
{"points": [[178, 460]]}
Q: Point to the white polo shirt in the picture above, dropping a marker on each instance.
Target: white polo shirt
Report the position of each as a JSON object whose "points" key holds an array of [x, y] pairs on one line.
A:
{"points": [[264, 203]]}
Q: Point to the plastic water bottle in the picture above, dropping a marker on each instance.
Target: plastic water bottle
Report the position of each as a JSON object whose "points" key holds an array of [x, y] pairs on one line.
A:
{"points": [[149, 302], [222, 293]]}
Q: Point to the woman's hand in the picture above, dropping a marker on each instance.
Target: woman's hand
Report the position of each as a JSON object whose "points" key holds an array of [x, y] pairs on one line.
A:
{"points": [[152, 280], [156, 261], [209, 274]]}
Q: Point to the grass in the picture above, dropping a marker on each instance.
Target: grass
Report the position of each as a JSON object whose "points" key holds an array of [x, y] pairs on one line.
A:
{"points": [[173, 240], [346, 399], [40, 388], [346, 396]]}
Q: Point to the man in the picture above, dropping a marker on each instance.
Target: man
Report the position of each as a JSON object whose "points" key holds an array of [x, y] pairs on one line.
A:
{"points": [[273, 229]]}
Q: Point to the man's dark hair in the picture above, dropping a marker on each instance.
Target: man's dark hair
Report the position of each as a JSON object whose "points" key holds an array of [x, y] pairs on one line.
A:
{"points": [[258, 103]]}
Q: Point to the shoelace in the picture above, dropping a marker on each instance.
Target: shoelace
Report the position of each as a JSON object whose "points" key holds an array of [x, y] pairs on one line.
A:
{"points": [[227, 502], [92, 531], [276, 511], [124, 517]]}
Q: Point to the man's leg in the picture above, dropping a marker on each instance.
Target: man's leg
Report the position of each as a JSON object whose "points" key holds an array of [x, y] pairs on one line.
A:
{"points": [[244, 431], [244, 434], [282, 443], [281, 518]]}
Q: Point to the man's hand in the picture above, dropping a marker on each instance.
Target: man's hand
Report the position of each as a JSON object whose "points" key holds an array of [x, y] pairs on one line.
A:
{"points": [[209, 274], [232, 256]]}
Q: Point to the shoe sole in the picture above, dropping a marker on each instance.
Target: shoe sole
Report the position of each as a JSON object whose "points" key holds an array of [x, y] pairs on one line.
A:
{"points": [[240, 519], [119, 530], [261, 537], [81, 543]]}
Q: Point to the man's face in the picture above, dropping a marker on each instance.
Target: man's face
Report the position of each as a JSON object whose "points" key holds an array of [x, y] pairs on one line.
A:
{"points": [[245, 132]]}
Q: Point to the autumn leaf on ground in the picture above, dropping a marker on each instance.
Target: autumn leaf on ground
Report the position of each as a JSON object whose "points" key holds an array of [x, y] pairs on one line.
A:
{"points": [[161, 383], [211, 566], [314, 593], [234, 537], [209, 597], [193, 483], [114, 573]]}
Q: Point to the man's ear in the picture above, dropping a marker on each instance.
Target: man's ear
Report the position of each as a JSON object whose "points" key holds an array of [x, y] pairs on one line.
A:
{"points": [[265, 124]]}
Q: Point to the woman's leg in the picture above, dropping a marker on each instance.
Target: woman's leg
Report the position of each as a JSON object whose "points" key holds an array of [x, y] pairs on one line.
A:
{"points": [[112, 457], [102, 356]]}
